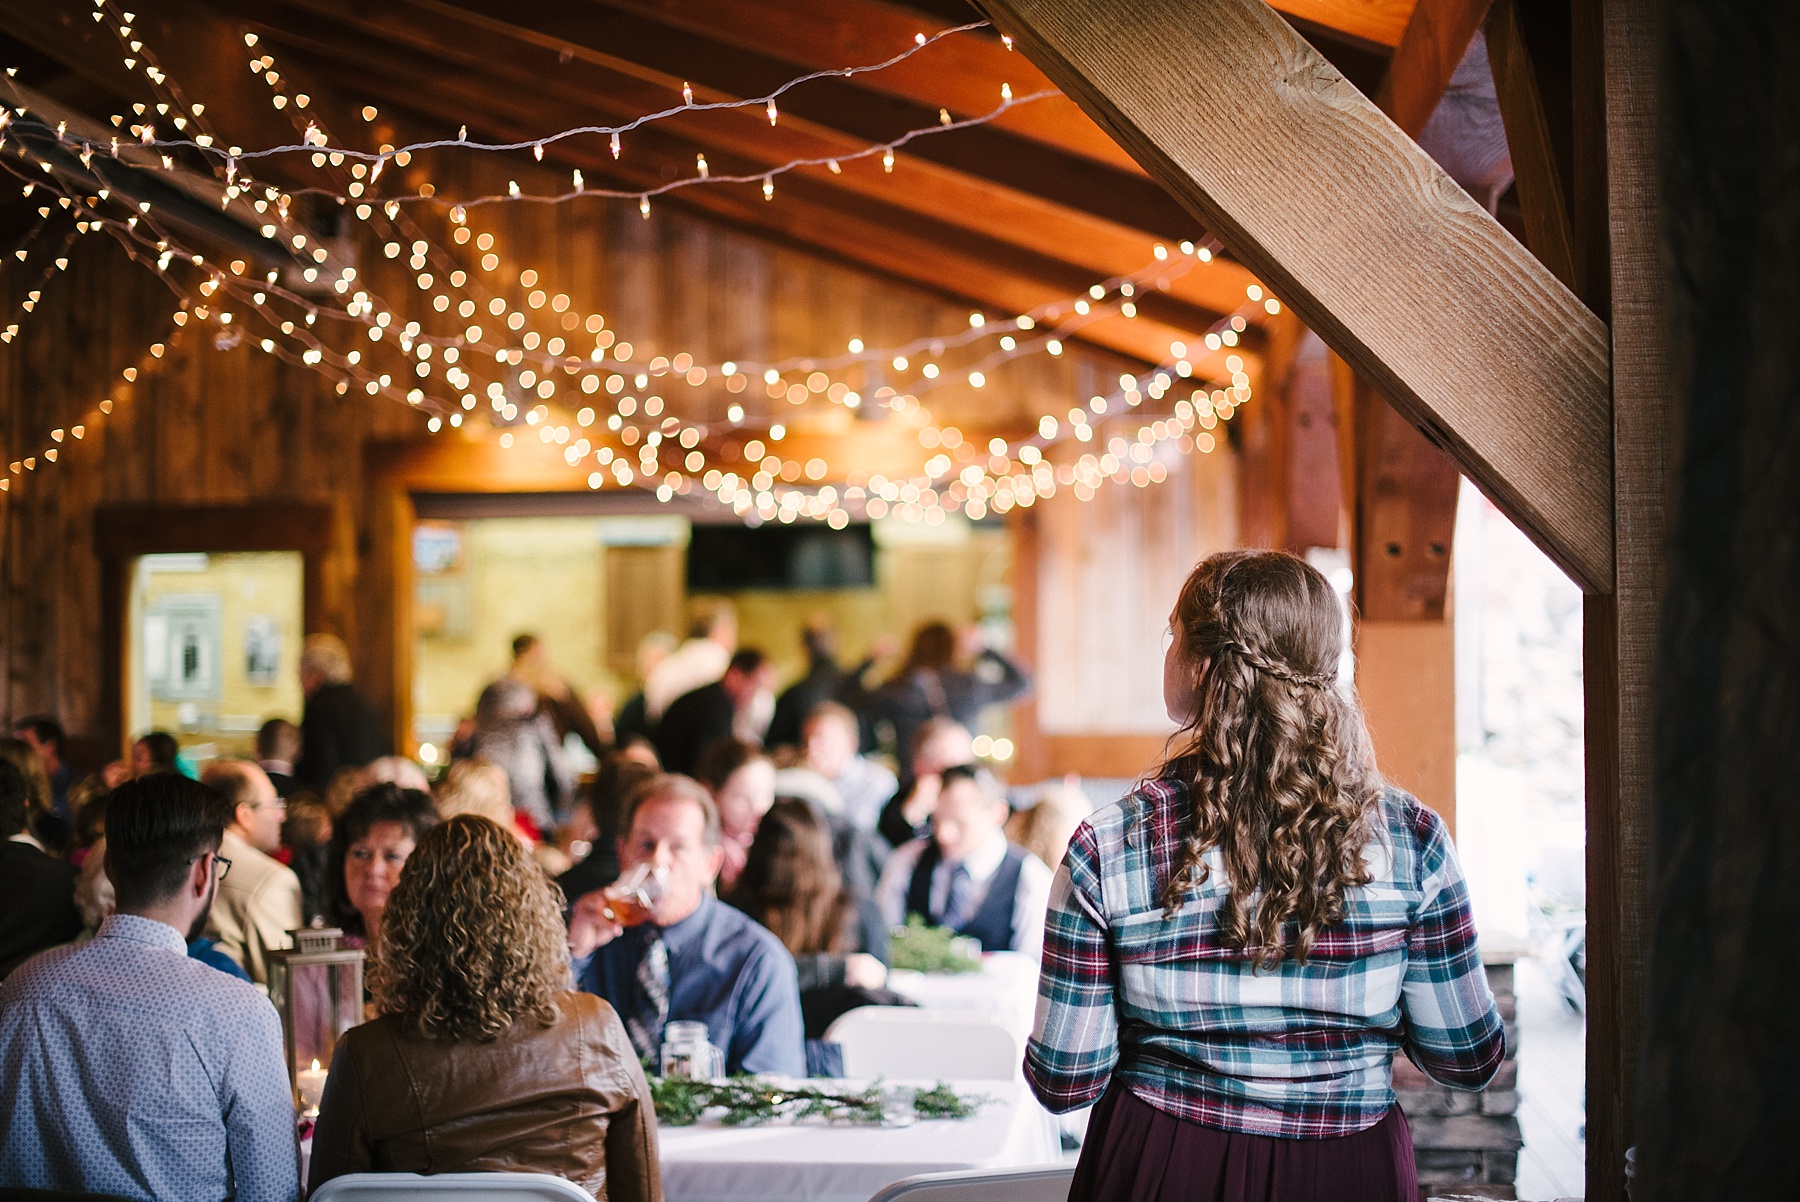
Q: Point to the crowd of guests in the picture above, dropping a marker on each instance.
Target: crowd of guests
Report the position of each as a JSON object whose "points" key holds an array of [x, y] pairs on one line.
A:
{"points": [[1231, 955], [786, 848]]}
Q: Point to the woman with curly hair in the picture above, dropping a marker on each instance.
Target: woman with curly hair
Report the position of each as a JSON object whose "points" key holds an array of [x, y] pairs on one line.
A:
{"points": [[1235, 951], [482, 1058]]}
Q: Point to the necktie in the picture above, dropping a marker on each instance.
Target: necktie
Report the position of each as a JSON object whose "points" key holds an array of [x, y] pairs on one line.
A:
{"points": [[956, 906], [646, 1026]]}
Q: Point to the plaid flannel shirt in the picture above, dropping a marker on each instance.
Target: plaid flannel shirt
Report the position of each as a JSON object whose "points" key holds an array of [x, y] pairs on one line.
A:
{"points": [[1297, 1050]]}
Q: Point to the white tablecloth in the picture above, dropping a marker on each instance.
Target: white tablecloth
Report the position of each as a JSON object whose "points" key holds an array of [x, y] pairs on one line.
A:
{"points": [[1006, 987], [819, 1163]]}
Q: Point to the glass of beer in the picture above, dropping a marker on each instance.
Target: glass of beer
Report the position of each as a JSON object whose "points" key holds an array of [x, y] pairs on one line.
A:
{"points": [[630, 899]]}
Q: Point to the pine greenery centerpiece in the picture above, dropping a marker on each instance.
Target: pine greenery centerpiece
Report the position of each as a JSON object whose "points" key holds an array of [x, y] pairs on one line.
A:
{"points": [[749, 1101], [921, 948]]}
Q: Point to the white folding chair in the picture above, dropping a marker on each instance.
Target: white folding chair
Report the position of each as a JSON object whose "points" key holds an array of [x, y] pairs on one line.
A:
{"points": [[1049, 1183], [916, 1043], [456, 1187]]}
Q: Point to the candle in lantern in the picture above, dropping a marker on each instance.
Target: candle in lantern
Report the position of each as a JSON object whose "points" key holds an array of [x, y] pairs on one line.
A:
{"points": [[311, 1082]]}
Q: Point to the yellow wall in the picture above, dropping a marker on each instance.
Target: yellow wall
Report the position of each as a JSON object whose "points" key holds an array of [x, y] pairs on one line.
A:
{"points": [[265, 583], [547, 575], [544, 575]]}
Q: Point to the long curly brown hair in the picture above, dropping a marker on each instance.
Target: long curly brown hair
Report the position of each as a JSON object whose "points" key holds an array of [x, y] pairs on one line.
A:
{"points": [[473, 940], [1274, 751]]}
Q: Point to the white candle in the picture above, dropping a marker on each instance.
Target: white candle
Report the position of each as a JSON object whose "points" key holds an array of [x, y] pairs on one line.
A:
{"points": [[312, 1088]]}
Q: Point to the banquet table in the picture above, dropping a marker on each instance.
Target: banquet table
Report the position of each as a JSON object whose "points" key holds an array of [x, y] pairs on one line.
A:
{"points": [[816, 1162], [1005, 987]]}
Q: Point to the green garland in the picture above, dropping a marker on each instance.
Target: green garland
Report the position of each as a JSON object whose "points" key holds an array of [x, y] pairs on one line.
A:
{"points": [[748, 1101], [921, 948]]}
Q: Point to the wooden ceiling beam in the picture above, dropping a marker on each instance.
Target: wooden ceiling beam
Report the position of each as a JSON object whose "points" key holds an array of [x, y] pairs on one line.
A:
{"points": [[1371, 22], [671, 56], [889, 242], [962, 73], [569, 94], [1468, 335]]}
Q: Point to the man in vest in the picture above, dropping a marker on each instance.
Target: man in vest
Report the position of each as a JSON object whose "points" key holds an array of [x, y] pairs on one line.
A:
{"points": [[966, 875]]}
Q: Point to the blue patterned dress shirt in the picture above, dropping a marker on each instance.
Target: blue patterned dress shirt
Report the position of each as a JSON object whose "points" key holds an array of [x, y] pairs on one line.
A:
{"points": [[126, 1068], [726, 971]]}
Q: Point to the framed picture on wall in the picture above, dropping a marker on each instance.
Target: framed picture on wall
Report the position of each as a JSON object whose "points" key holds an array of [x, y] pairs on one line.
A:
{"points": [[262, 650]]}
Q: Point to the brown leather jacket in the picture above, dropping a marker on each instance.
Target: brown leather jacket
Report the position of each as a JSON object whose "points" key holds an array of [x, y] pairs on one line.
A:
{"points": [[568, 1099]]}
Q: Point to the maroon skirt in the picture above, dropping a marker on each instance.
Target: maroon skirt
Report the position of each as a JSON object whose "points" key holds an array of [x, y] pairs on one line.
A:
{"points": [[1136, 1153]]}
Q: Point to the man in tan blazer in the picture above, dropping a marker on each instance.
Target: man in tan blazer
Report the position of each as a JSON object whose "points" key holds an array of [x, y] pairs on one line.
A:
{"points": [[259, 897]]}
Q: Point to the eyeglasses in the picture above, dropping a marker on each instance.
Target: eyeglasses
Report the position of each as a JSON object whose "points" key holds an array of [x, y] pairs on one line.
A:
{"points": [[223, 864]]}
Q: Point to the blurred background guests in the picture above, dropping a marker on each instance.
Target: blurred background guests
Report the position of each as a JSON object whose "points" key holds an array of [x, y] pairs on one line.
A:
{"points": [[259, 899], [277, 747], [347, 782], [158, 751], [515, 736], [633, 718], [45, 736], [37, 890], [306, 838], [598, 822], [967, 876], [369, 846], [556, 698], [823, 681], [737, 704], [831, 738], [742, 780], [339, 727], [1045, 827], [45, 828], [471, 986], [790, 884], [700, 660], [931, 684], [939, 744]]}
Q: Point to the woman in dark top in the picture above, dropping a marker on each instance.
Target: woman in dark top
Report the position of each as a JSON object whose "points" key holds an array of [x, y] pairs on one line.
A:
{"points": [[931, 685], [369, 846], [791, 885]]}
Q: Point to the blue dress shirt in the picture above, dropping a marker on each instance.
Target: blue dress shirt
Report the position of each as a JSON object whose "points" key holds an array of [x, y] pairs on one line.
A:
{"points": [[127, 1068], [725, 970]]}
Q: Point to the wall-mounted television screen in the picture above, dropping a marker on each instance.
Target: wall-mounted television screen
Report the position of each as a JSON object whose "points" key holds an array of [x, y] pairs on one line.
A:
{"points": [[729, 558]]}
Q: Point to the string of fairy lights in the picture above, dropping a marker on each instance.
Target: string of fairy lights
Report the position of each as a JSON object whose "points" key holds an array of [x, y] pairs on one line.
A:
{"points": [[642, 445]]}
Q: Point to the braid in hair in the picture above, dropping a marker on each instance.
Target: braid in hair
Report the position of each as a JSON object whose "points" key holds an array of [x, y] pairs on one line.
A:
{"points": [[1274, 753]]}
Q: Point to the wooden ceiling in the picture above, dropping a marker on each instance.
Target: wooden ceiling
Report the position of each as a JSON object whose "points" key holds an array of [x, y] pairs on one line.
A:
{"points": [[1029, 209]]}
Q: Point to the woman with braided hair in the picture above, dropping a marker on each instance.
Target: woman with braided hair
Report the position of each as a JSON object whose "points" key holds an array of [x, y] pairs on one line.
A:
{"points": [[1235, 951]]}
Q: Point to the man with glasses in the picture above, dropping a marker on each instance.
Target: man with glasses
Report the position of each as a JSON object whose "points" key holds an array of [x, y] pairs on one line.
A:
{"points": [[259, 903], [128, 1069]]}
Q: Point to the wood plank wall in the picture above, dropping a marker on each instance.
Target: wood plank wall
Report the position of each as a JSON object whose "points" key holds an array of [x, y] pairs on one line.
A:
{"points": [[216, 424]]}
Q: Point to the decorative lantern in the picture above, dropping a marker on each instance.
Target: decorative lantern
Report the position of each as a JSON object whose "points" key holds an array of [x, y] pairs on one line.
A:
{"points": [[318, 988]]}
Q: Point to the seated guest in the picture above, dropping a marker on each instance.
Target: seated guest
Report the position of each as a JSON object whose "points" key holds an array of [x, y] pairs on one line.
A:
{"points": [[735, 705], [44, 825], [45, 736], [790, 884], [832, 736], [155, 752], [940, 744], [696, 959], [966, 876], [513, 734], [129, 1070], [339, 727], [277, 747], [1045, 827], [37, 890], [259, 901], [742, 780], [481, 1058], [369, 847], [307, 837], [347, 782], [476, 787]]}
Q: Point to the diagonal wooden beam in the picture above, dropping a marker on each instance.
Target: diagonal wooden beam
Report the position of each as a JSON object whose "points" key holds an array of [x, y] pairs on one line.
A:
{"points": [[1466, 333], [1372, 22]]}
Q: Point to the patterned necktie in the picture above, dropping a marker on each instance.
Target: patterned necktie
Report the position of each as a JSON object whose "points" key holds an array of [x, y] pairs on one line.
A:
{"points": [[646, 1026], [956, 906]]}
